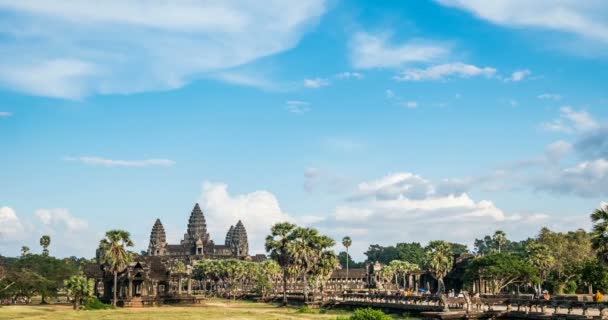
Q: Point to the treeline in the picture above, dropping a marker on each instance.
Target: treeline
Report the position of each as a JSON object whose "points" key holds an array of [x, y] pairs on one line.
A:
{"points": [[34, 274], [560, 262]]}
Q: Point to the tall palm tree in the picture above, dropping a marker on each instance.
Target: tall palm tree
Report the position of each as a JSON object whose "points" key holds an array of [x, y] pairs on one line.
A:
{"points": [[114, 254], [539, 256], [599, 234], [308, 249], [45, 242], [402, 268], [279, 244], [25, 250], [500, 239], [439, 261], [347, 242]]}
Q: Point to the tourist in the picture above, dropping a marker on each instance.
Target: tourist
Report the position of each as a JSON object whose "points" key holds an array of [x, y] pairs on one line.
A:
{"points": [[598, 297], [546, 295]]}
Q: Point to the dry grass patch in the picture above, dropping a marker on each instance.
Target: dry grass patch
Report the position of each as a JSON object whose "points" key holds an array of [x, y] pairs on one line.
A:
{"points": [[214, 309]]}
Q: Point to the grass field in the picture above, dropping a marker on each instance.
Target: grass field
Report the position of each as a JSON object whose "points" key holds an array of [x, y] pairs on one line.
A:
{"points": [[213, 309]]}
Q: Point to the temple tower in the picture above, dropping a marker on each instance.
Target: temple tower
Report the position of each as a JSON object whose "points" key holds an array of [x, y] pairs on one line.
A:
{"points": [[196, 236], [238, 240], [229, 236], [158, 240]]}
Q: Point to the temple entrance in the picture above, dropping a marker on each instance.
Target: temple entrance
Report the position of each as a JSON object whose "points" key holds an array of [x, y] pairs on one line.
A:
{"points": [[137, 288]]}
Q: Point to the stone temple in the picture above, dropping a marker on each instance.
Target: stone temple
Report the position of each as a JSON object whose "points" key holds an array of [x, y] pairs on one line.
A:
{"points": [[154, 276], [197, 243]]}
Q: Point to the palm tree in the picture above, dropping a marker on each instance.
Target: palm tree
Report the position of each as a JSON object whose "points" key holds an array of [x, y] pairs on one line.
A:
{"points": [[25, 250], [308, 249], [45, 242], [599, 234], [439, 261], [115, 255], [279, 244], [539, 256], [500, 238], [347, 242], [403, 268]]}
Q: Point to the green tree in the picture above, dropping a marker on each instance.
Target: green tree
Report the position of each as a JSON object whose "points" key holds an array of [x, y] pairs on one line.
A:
{"points": [[307, 250], [25, 250], [500, 239], [411, 252], [45, 242], [540, 257], [381, 254], [599, 234], [268, 274], [347, 242], [387, 273], [36, 275], [78, 288], [323, 270], [500, 270], [439, 261], [458, 248], [403, 268], [114, 254], [279, 245], [342, 256], [572, 250]]}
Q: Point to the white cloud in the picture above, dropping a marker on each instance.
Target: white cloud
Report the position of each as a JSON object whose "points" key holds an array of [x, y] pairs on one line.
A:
{"points": [[404, 207], [5, 114], [98, 161], [70, 49], [586, 19], [571, 121], [375, 51], [246, 79], [392, 186], [518, 75], [442, 71], [350, 75], [315, 83], [61, 217], [297, 107], [258, 210], [10, 225], [549, 96], [410, 104], [586, 179]]}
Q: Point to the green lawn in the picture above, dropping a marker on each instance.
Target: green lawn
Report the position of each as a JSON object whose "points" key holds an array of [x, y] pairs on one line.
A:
{"points": [[213, 309]]}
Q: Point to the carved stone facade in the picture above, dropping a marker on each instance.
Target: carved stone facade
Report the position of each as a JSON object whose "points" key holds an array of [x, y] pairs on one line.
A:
{"points": [[197, 243], [155, 278]]}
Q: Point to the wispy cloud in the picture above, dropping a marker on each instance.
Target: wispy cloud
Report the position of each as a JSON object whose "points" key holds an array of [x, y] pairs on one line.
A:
{"points": [[316, 83], [297, 107], [5, 114], [549, 96], [350, 75], [61, 216], [99, 161], [376, 51], [111, 47], [442, 71], [560, 15], [571, 121], [518, 75]]}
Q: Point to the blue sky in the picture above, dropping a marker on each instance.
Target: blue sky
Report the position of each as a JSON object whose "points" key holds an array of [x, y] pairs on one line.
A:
{"points": [[389, 122]]}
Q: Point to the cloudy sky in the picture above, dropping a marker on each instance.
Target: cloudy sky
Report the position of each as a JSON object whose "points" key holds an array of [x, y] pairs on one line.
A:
{"points": [[409, 121]]}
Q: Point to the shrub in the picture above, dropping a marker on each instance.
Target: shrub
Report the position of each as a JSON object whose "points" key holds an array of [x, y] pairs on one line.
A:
{"points": [[305, 309], [369, 314], [92, 303]]}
